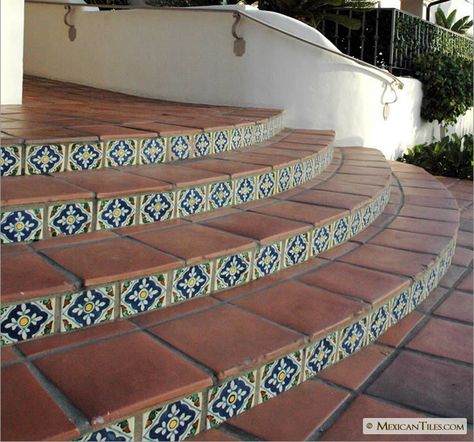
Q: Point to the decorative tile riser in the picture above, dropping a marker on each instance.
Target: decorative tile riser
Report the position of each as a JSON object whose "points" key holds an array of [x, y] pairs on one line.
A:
{"points": [[30, 159], [119, 299], [34, 222], [203, 410]]}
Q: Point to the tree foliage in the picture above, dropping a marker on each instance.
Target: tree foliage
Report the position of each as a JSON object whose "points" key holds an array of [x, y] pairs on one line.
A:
{"points": [[460, 26]]}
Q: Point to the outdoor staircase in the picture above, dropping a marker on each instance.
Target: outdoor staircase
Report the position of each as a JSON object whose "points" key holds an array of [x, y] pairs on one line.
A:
{"points": [[155, 301]]}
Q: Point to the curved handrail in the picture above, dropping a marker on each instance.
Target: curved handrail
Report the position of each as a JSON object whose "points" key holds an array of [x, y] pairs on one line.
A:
{"points": [[236, 12]]}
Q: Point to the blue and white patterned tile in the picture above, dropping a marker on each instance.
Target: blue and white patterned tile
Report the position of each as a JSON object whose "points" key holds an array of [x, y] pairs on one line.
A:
{"points": [[10, 160], [143, 294], [267, 260], [356, 223], [120, 431], [245, 190], [297, 249], [191, 282], [352, 338], [121, 153], [20, 322], [280, 375], [230, 399], [203, 144], [152, 150], [191, 201], [221, 141], [45, 158], [173, 422], [233, 270], [221, 194], [22, 225], [248, 135], [317, 165], [320, 355], [117, 212], [432, 278], [321, 239], [308, 170], [298, 175], [180, 147], [285, 178], [70, 218], [266, 184], [367, 216], [265, 130], [87, 308], [258, 133], [399, 306], [418, 292], [340, 230], [379, 321], [85, 156], [157, 207], [236, 139]]}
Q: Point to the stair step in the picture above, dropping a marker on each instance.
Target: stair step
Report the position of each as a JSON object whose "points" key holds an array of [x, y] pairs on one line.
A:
{"points": [[63, 126], [82, 280], [212, 358], [69, 203]]}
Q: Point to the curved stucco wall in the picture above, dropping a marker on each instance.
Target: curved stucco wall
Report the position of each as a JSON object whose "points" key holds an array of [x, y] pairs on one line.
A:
{"points": [[187, 55]]}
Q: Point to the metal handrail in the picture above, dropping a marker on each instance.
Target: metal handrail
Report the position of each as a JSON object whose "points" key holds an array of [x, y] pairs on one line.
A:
{"points": [[379, 71]]}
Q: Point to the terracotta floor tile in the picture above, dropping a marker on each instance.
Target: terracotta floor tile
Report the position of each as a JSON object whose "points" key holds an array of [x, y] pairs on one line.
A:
{"points": [[339, 251], [39, 189], [61, 241], [141, 228], [28, 412], [458, 305], [110, 132], [452, 276], [51, 135], [369, 285], [415, 242], [13, 249], [330, 199], [432, 300], [212, 435], [462, 256], [309, 310], [431, 193], [430, 213], [349, 425], [111, 260], [163, 129], [7, 355], [121, 376], [263, 228], [354, 170], [77, 337], [252, 286], [445, 338], [195, 243], [335, 185], [372, 180], [256, 158], [465, 239], [233, 168], [227, 339], [466, 224], [294, 415], [110, 183], [397, 333], [419, 381], [26, 276], [306, 213], [466, 283], [389, 260], [426, 201], [353, 372], [178, 175]]}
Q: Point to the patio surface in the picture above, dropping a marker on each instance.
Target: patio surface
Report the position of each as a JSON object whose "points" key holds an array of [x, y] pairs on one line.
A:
{"points": [[422, 367]]}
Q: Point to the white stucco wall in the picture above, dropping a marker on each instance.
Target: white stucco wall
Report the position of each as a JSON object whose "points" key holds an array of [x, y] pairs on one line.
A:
{"points": [[188, 56], [11, 51]]}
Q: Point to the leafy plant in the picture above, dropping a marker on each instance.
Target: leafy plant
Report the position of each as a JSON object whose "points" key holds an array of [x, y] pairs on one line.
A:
{"points": [[312, 12], [447, 86], [451, 156], [460, 26]]}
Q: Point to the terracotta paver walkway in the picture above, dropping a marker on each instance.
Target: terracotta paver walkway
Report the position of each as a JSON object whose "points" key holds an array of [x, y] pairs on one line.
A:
{"points": [[421, 367]]}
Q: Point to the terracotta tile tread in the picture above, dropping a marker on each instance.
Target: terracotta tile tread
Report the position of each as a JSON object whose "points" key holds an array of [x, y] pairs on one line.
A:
{"points": [[190, 347]]}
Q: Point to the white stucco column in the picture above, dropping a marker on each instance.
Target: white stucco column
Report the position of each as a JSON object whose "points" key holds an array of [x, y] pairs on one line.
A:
{"points": [[12, 24]]}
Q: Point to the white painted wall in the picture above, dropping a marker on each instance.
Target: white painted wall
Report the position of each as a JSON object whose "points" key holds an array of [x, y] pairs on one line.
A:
{"points": [[11, 51], [188, 56]]}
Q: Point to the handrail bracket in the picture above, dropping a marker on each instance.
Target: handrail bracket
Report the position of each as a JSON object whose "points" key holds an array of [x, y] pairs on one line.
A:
{"points": [[72, 32], [239, 42]]}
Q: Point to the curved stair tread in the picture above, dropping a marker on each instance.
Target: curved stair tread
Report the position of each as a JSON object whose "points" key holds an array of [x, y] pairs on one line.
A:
{"points": [[108, 267], [68, 203], [240, 338]]}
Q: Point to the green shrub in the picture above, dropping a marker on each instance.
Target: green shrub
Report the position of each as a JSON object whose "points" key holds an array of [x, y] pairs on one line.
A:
{"points": [[452, 156], [447, 86]]}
